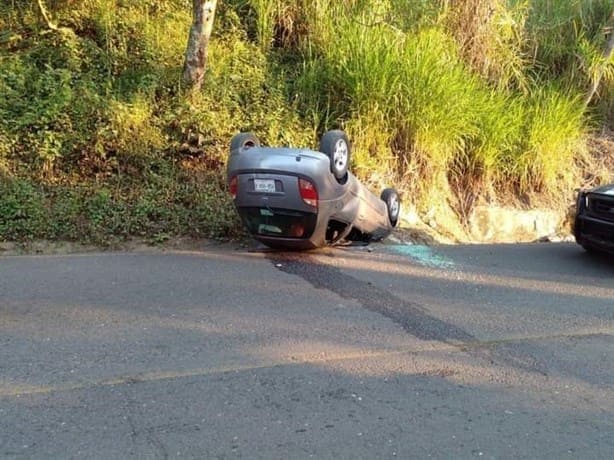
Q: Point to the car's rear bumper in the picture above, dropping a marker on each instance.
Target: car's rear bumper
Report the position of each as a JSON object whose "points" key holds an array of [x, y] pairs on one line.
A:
{"points": [[290, 244], [280, 218], [284, 228]]}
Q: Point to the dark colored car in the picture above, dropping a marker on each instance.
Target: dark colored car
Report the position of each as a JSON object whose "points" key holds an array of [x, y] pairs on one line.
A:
{"points": [[298, 198], [594, 221]]}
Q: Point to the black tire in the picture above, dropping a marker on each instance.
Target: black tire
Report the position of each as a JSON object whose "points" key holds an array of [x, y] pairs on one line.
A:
{"points": [[336, 146], [243, 141], [393, 204]]}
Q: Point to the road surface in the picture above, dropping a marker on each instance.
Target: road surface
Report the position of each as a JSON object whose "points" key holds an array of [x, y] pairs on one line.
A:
{"points": [[385, 351]]}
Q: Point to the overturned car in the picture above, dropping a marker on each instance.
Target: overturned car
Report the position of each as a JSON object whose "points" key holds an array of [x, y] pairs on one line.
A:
{"points": [[298, 198]]}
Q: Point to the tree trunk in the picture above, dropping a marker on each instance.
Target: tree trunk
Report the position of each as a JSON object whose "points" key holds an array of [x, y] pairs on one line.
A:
{"points": [[607, 55], [198, 42], [45, 15]]}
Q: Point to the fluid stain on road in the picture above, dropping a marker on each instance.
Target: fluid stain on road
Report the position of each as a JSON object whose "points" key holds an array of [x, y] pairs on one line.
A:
{"points": [[412, 317]]}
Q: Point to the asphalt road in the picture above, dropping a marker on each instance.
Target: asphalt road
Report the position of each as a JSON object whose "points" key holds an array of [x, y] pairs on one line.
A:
{"points": [[380, 352]]}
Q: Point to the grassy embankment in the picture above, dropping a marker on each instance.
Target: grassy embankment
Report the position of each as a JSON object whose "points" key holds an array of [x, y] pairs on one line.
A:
{"points": [[99, 142]]}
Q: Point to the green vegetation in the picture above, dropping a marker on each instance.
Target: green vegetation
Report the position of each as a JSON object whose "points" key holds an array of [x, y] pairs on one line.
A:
{"points": [[99, 141]]}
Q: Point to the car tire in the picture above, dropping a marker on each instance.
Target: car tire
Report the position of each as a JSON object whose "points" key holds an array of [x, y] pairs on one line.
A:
{"points": [[393, 205], [336, 146], [243, 141]]}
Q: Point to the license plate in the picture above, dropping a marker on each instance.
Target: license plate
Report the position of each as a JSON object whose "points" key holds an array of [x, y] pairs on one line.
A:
{"points": [[264, 185]]}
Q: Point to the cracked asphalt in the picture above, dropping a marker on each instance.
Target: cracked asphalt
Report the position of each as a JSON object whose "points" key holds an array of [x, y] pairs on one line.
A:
{"points": [[385, 351]]}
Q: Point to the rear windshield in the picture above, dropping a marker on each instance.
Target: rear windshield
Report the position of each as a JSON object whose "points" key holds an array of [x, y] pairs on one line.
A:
{"points": [[278, 222]]}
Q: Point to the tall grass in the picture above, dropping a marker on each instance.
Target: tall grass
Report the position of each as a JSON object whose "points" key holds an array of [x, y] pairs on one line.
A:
{"points": [[403, 85], [418, 111], [553, 138], [490, 34], [555, 30], [567, 40], [420, 107]]}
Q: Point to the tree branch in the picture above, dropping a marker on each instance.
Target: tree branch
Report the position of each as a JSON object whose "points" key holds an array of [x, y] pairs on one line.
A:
{"points": [[45, 15]]}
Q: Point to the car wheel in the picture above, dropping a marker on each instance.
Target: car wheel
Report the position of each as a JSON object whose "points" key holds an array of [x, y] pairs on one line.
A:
{"points": [[243, 141], [336, 146], [393, 204]]}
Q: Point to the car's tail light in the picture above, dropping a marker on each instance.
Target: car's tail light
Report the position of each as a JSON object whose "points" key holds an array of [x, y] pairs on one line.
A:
{"points": [[233, 186], [308, 191]]}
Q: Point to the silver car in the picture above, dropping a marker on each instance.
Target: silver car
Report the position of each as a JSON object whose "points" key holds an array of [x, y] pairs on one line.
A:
{"points": [[297, 198]]}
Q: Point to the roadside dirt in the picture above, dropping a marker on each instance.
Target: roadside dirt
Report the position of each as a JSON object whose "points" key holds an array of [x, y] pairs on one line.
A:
{"points": [[45, 247]]}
